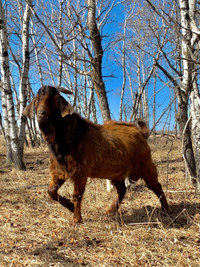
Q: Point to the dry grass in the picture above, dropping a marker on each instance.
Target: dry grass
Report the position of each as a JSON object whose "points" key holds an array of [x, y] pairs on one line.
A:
{"points": [[35, 231]]}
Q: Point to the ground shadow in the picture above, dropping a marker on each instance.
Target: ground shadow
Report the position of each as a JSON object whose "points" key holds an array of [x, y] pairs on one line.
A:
{"points": [[180, 215], [52, 248]]}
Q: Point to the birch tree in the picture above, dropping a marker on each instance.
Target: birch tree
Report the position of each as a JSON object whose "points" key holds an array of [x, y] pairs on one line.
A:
{"points": [[12, 144], [190, 48], [24, 75], [183, 74], [123, 69]]}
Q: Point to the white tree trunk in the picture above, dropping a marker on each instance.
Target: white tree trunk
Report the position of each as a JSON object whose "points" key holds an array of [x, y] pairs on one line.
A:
{"points": [[36, 54], [9, 158], [24, 75], [8, 104], [186, 80], [123, 69], [195, 115], [61, 42], [145, 95], [189, 84]]}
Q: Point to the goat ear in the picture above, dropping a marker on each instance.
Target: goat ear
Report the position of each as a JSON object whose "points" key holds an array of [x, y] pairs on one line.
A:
{"points": [[65, 108], [28, 111]]}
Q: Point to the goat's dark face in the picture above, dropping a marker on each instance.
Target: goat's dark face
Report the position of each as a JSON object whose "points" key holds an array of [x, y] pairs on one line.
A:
{"points": [[46, 105], [49, 107]]}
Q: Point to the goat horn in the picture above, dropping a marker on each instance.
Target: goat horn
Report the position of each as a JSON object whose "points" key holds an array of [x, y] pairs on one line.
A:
{"points": [[63, 90]]}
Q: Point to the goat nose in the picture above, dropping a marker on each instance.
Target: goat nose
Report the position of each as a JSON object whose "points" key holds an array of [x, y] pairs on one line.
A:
{"points": [[41, 114]]}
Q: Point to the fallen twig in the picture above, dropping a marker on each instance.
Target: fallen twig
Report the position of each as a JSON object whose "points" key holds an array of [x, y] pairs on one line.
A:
{"points": [[143, 223]]}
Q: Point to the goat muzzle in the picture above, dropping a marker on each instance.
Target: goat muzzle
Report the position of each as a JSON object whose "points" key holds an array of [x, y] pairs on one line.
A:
{"points": [[41, 116]]}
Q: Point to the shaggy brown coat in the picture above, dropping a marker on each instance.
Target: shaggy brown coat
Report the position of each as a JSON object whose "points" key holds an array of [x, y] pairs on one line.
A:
{"points": [[81, 149]]}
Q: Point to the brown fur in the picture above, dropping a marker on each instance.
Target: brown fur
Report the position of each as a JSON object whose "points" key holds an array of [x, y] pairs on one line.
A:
{"points": [[81, 149]]}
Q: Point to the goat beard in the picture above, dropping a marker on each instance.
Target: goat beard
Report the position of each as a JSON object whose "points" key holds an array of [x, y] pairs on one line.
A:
{"points": [[48, 132]]}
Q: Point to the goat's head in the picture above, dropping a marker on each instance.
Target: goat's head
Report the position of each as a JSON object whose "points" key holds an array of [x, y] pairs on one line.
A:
{"points": [[49, 105]]}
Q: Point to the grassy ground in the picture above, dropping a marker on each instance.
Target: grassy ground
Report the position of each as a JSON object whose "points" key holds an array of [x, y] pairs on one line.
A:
{"points": [[35, 231]]}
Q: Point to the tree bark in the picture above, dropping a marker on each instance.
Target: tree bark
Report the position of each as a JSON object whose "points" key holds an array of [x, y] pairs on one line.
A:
{"points": [[36, 55], [96, 61], [61, 42], [123, 69], [189, 85], [24, 76], [12, 143], [187, 148]]}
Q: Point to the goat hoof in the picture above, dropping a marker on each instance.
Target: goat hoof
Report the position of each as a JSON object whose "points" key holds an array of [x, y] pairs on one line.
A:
{"points": [[76, 221], [112, 210]]}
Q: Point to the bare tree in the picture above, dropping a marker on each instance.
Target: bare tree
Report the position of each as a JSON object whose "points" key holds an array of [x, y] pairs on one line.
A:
{"points": [[36, 51], [12, 144], [24, 75], [189, 85], [185, 85], [123, 69], [96, 61]]}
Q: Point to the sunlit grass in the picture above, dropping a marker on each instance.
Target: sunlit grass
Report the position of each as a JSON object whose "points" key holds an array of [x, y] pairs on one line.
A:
{"points": [[35, 231]]}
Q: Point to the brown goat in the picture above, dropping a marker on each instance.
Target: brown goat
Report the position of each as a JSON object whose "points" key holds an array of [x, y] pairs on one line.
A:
{"points": [[81, 149]]}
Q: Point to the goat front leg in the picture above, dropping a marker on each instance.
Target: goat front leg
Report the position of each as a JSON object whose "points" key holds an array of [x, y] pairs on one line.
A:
{"points": [[79, 188], [54, 185], [121, 191]]}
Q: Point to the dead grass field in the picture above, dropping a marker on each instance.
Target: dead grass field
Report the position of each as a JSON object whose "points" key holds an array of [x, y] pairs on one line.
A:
{"points": [[35, 231]]}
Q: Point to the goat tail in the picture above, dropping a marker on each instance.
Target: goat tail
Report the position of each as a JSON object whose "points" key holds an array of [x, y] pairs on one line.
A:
{"points": [[144, 128]]}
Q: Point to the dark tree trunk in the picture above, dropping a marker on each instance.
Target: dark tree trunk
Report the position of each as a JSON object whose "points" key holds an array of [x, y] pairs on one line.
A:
{"points": [[185, 132], [96, 74]]}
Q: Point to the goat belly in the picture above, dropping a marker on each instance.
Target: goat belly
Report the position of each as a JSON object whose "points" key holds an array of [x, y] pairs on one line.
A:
{"points": [[119, 151], [111, 174], [111, 167]]}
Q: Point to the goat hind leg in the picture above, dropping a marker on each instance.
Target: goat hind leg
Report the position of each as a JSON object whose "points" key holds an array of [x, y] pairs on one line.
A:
{"points": [[157, 189], [121, 191], [151, 179], [53, 192]]}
